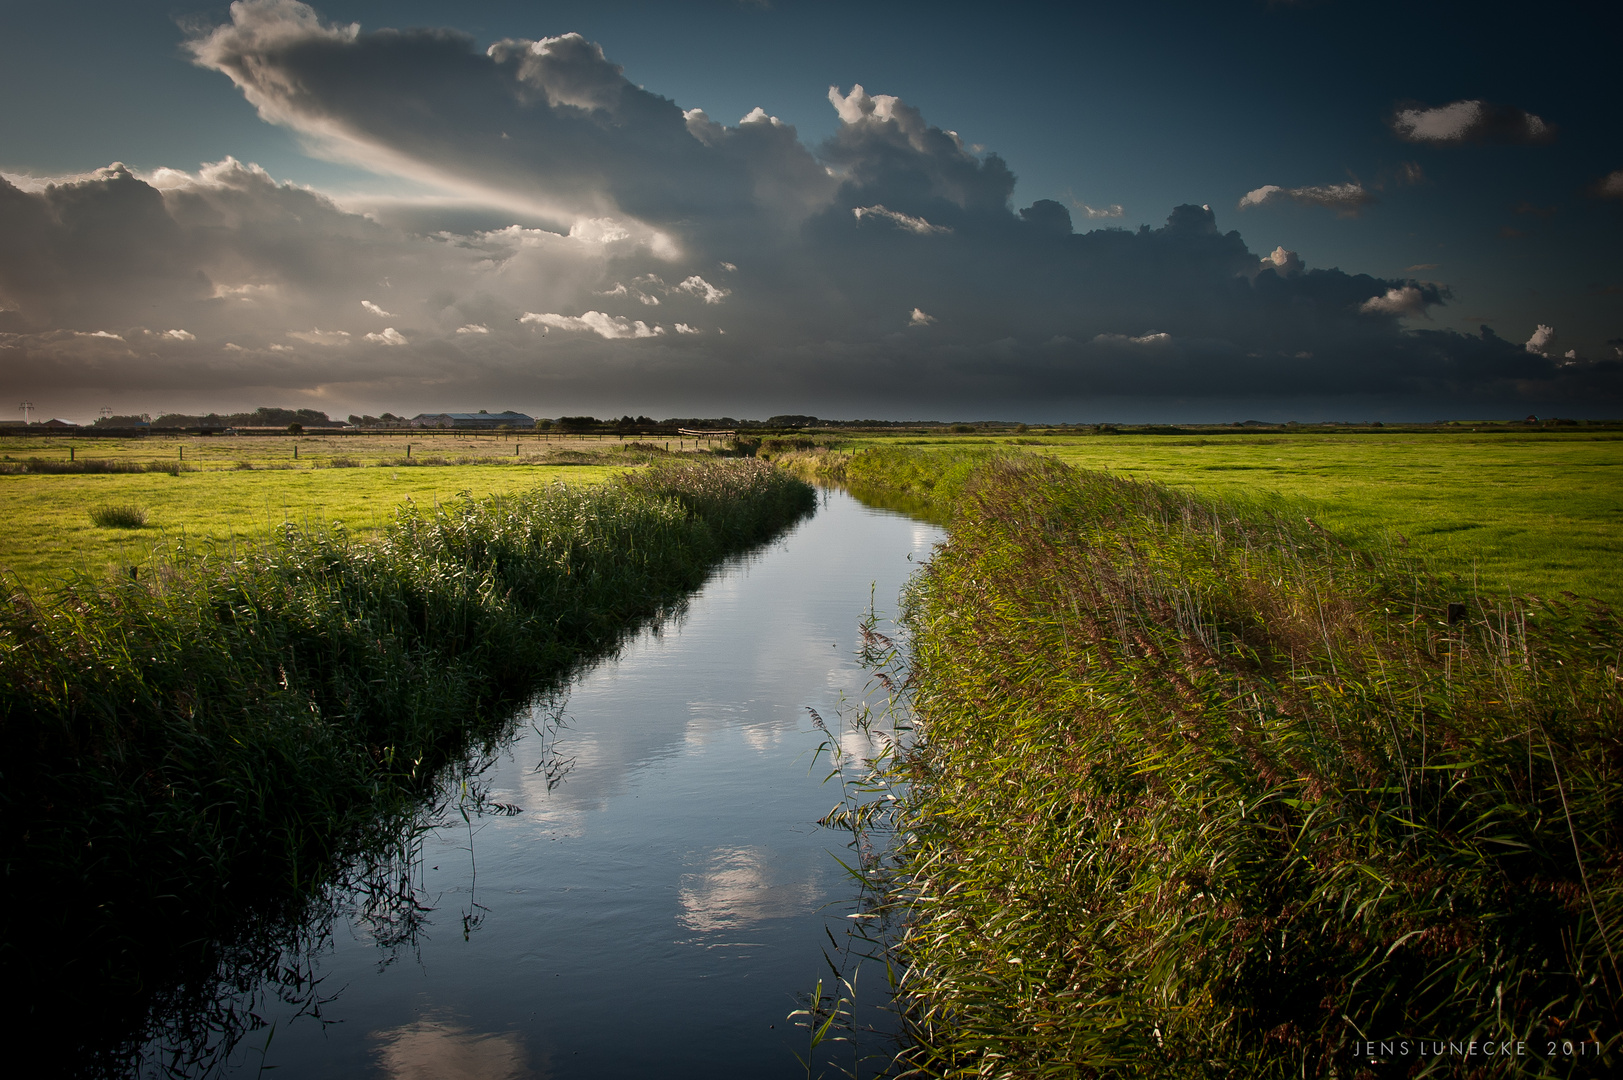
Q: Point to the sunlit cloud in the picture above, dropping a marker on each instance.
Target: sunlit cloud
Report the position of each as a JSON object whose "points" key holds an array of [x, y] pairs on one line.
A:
{"points": [[596, 322], [1346, 199]]}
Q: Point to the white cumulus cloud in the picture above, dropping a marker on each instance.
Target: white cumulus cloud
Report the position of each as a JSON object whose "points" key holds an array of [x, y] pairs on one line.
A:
{"points": [[388, 336], [1282, 262], [698, 286], [1542, 341], [920, 318], [596, 322], [473, 328], [1400, 300], [374, 309]]}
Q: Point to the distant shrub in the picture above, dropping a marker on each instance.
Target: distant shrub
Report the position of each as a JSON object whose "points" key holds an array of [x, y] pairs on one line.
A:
{"points": [[343, 463], [128, 516]]}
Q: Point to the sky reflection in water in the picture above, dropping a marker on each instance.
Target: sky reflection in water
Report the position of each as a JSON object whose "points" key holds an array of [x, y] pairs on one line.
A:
{"points": [[657, 911]]}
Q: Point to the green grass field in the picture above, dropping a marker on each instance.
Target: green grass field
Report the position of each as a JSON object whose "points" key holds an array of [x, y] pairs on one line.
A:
{"points": [[1538, 512], [48, 532], [1528, 511]]}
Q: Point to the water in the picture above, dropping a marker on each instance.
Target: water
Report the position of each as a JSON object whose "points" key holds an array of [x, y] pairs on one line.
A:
{"points": [[659, 909]]}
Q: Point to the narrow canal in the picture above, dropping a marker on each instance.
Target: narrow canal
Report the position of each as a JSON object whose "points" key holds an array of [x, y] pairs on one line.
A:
{"points": [[663, 905]]}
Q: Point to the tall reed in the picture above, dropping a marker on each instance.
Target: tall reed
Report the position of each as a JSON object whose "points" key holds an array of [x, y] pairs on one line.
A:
{"points": [[1199, 790]]}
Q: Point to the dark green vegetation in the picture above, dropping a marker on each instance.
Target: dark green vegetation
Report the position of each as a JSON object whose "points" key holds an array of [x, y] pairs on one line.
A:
{"points": [[188, 761], [1203, 791], [122, 516]]}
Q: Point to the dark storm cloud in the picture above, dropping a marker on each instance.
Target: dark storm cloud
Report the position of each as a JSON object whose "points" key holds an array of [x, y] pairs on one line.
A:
{"points": [[548, 125], [1469, 121], [689, 266]]}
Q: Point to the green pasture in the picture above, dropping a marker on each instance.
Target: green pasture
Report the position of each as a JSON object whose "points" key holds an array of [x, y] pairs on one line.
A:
{"points": [[316, 449], [47, 530], [1538, 512]]}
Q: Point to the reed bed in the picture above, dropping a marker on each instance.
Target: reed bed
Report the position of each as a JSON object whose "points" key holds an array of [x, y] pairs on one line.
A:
{"points": [[1198, 790], [189, 752]]}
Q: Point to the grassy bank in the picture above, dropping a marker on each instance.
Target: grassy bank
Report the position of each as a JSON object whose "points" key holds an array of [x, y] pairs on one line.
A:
{"points": [[185, 752], [1202, 791]]}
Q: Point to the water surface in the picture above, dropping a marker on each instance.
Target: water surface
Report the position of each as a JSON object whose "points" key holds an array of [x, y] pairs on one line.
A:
{"points": [[656, 912]]}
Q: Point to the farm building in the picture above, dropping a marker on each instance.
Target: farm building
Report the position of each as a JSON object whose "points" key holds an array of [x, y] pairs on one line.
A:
{"points": [[475, 421]]}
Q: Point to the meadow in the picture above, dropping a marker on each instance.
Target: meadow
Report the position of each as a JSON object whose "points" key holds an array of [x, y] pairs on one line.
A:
{"points": [[220, 490], [1536, 511]]}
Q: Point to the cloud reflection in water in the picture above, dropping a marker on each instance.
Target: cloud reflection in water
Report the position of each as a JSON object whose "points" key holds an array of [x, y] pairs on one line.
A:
{"points": [[438, 1050], [738, 890]]}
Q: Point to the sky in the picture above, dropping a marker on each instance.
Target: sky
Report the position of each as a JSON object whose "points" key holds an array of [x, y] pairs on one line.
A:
{"points": [[1160, 211]]}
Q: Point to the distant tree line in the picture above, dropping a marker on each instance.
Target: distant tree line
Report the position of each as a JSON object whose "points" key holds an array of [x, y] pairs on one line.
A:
{"points": [[261, 417]]}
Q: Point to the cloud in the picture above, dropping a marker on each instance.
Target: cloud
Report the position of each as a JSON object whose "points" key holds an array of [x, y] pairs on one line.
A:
{"points": [[606, 200], [180, 335], [911, 224], [548, 127], [1609, 186], [317, 336], [1542, 342], [1151, 339], [1347, 200], [1096, 213], [1399, 300], [1471, 120], [596, 322], [698, 286], [1281, 261]]}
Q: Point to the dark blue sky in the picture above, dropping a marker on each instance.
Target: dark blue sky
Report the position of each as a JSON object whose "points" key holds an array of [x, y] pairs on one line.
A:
{"points": [[1119, 111]]}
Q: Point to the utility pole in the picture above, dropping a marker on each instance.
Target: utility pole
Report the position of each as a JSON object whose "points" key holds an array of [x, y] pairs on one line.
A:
{"points": [[26, 408]]}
